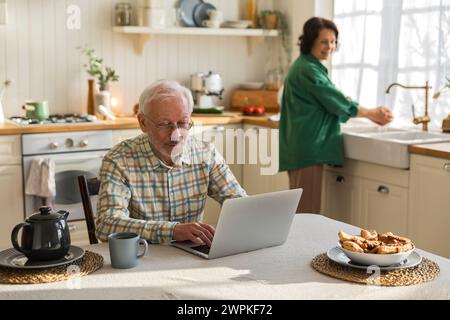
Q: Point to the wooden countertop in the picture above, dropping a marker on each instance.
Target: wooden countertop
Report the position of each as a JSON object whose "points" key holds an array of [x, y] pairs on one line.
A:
{"points": [[131, 123], [120, 123], [438, 150]]}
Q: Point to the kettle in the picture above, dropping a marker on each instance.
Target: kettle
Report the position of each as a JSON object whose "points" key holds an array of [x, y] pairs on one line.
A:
{"points": [[45, 235], [213, 84]]}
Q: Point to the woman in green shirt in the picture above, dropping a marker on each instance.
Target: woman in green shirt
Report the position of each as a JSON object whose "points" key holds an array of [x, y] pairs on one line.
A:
{"points": [[311, 113]]}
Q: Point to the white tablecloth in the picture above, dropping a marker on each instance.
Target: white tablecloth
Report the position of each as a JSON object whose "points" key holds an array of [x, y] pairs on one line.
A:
{"points": [[282, 272]]}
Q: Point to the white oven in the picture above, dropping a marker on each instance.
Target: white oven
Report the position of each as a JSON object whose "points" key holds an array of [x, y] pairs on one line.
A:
{"points": [[74, 154]]}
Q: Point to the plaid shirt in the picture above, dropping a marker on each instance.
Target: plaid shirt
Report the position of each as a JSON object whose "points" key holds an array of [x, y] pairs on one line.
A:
{"points": [[140, 194]]}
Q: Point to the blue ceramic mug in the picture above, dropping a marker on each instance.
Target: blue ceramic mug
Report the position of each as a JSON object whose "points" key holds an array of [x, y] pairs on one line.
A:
{"points": [[124, 249]]}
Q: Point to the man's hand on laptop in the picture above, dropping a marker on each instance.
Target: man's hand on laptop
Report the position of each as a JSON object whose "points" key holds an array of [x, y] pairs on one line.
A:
{"points": [[197, 232]]}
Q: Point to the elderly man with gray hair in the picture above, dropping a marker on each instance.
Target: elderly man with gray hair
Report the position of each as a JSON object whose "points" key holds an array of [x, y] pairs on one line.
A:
{"points": [[156, 184]]}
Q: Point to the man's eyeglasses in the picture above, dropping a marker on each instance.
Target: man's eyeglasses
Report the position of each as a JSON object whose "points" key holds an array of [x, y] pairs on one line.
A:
{"points": [[170, 127]]}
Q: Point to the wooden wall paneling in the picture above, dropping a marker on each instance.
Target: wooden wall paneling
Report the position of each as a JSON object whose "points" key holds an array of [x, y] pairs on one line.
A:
{"points": [[87, 34], [192, 59], [119, 41], [184, 56], [36, 50], [140, 66], [23, 54], [8, 60], [75, 59], [3, 73], [150, 62], [48, 44], [60, 86]]}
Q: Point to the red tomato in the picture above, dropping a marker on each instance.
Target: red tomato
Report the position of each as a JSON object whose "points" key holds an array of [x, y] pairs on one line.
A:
{"points": [[259, 110], [249, 109]]}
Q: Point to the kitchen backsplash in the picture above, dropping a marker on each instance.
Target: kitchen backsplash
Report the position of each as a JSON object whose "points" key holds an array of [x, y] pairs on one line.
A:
{"points": [[38, 53]]}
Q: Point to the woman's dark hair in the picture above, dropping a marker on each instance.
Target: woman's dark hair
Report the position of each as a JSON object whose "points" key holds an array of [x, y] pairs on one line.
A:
{"points": [[311, 30]]}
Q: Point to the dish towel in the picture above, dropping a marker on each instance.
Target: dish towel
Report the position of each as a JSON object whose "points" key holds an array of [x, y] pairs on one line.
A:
{"points": [[275, 117], [41, 179]]}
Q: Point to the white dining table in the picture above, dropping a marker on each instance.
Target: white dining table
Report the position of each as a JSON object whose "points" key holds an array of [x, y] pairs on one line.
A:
{"points": [[282, 272]]}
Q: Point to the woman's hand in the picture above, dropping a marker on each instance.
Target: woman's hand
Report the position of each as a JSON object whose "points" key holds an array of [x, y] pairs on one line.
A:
{"points": [[197, 232], [380, 115]]}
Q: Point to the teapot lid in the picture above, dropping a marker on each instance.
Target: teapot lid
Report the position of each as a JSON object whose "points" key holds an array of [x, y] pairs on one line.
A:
{"points": [[45, 213]]}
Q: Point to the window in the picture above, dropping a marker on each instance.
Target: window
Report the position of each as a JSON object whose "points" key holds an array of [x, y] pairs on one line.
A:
{"points": [[405, 41]]}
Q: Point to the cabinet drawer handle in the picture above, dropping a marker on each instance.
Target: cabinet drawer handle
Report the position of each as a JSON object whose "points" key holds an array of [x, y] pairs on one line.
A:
{"points": [[219, 128], [340, 179], [383, 189], [72, 227], [447, 166]]}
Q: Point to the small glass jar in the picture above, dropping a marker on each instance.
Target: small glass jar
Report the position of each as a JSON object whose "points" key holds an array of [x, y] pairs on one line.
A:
{"points": [[123, 14]]}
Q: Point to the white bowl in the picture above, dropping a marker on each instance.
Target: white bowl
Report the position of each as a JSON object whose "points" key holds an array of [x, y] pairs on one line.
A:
{"points": [[382, 260]]}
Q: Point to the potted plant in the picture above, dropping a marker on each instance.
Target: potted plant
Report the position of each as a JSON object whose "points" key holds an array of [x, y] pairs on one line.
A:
{"points": [[268, 19], [103, 74]]}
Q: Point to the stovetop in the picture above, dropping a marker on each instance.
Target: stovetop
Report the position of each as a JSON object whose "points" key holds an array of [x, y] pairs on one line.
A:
{"points": [[55, 119]]}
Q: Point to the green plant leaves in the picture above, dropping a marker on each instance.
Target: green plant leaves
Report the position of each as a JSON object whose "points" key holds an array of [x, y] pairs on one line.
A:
{"points": [[96, 69]]}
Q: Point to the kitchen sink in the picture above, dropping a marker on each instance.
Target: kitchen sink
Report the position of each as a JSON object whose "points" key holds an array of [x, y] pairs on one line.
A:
{"points": [[411, 137], [370, 129], [386, 146]]}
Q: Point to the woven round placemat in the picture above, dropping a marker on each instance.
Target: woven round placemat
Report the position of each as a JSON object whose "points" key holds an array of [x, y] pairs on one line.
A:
{"points": [[89, 263], [427, 270]]}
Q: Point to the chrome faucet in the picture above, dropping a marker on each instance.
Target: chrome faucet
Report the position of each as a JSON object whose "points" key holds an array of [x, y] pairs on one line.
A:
{"points": [[425, 119]]}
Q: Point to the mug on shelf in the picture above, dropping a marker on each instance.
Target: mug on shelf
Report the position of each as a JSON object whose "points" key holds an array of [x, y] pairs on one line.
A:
{"points": [[215, 15], [211, 23]]}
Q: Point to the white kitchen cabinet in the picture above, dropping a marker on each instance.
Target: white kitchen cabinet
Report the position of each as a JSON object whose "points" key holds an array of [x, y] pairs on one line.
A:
{"points": [[384, 207], [217, 134], [260, 169], [11, 196], [429, 215], [10, 150], [341, 196], [120, 135], [367, 195]]}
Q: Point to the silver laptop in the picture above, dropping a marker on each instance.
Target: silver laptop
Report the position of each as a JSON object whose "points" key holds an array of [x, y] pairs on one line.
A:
{"points": [[249, 223]]}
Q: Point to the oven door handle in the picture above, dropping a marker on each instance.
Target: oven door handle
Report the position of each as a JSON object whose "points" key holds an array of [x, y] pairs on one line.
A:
{"points": [[76, 159]]}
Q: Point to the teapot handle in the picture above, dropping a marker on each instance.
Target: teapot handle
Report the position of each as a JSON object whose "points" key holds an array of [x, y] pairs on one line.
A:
{"points": [[14, 236], [64, 213]]}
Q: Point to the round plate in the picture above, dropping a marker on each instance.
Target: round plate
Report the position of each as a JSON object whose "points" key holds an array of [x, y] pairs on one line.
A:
{"points": [[12, 258], [201, 13], [337, 255], [187, 11], [237, 24]]}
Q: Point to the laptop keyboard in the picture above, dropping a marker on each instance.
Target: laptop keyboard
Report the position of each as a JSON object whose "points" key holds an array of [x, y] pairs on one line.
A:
{"points": [[202, 248]]}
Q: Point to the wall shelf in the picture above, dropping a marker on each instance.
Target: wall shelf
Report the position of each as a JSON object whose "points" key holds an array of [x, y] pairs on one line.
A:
{"points": [[198, 31], [144, 33]]}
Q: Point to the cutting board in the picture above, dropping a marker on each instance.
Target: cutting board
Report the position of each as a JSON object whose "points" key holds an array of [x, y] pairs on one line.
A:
{"points": [[242, 98]]}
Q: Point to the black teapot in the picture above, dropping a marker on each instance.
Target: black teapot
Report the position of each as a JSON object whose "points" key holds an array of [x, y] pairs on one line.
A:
{"points": [[45, 235]]}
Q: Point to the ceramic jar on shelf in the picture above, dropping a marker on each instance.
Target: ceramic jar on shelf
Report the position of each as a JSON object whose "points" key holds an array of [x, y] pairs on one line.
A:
{"points": [[123, 14], [151, 13]]}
